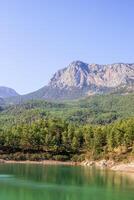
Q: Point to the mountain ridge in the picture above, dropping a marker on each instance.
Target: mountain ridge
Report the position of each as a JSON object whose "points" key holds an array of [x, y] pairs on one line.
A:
{"points": [[6, 92], [80, 79]]}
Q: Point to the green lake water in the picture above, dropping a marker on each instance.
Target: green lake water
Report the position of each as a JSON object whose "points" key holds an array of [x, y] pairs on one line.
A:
{"points": [[38, 182]]}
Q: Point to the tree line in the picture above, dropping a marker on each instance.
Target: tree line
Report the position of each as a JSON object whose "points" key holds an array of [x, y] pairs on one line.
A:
{"points": [[60, 140]]}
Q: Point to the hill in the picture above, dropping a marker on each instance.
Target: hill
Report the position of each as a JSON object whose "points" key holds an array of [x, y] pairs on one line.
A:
{"points": [[6, 92], [99, 109], [73, 130]]}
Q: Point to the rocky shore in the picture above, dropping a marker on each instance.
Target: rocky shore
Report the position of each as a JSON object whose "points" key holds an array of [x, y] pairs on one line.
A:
{"points": [[110, 164]]}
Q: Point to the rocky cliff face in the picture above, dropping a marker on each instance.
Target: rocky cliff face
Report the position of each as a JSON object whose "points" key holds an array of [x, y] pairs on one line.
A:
{"points": [[75, 75], [80, 75], [6, 92]]}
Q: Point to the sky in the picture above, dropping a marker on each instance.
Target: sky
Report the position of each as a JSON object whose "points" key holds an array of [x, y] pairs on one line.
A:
{"points": [[38, 37]]}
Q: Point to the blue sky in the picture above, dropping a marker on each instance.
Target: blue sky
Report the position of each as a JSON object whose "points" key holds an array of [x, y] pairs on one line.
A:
{"points": [[38, 37]]}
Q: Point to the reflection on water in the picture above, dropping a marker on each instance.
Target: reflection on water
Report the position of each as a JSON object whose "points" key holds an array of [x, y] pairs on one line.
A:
{"points": [[32, 182]]}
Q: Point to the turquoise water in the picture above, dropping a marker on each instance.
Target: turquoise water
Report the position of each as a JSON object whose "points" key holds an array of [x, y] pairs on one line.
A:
{"points": [[38, 182]]}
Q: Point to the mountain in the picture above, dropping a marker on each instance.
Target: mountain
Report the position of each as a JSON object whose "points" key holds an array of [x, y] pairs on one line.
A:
{"points": [[80, 79], [2, 103], [6, 92], [96, 78]]}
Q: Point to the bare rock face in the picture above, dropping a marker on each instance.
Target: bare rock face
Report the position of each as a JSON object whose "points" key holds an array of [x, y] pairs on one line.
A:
{"points": [[80, 75], [75, 75]]}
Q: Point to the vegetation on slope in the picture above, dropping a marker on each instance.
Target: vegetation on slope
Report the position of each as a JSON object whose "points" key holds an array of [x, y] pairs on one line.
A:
{"points": [[101, 109], [72, 130], [59, 140]]}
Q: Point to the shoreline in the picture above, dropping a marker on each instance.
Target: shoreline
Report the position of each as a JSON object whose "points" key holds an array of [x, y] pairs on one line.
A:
{"points": [[43, 162], [102, 164], [128, 168], [111, 165]]}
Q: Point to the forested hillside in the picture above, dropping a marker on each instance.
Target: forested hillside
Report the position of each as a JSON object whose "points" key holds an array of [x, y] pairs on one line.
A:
{"points": [[100, 109], [59, 140], [95, 127]]}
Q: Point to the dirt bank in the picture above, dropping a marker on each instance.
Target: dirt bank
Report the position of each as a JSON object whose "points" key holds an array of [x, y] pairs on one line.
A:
{"points": [[44, 162]]}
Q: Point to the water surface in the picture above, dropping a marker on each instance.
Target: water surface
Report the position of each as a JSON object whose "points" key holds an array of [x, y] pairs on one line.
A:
{"points": [[39, 182]]}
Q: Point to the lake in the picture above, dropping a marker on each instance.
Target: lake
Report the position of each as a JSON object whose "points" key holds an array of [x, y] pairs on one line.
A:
{"points": [[39, 182]]}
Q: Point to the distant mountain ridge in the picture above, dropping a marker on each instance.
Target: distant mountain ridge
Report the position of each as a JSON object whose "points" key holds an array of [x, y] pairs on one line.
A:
{"points": [[6, 92], [80, 79]]}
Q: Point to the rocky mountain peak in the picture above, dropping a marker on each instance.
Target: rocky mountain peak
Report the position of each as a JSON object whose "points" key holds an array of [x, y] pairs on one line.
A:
{"points": [[74, 75], [79, 74]]}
